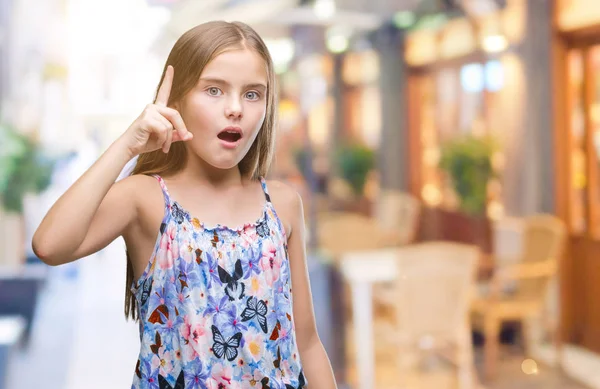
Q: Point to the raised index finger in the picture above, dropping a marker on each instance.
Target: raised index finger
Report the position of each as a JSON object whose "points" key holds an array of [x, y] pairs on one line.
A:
{"points": [[162, 97]]}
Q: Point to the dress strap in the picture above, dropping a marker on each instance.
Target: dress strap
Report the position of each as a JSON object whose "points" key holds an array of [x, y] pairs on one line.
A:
{"points": [[263, 183], [164, 189]]}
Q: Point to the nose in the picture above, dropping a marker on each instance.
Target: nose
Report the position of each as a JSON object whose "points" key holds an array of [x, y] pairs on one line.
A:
{"points": [[233, 109]]}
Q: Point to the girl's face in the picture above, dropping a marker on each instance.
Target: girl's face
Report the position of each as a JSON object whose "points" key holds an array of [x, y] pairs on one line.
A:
{"points": [[226, 108]]}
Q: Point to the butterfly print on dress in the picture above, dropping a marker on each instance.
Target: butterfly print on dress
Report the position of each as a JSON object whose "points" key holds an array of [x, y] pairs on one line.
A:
{"points": [[225, 348], [256, 309], [233, 288]]}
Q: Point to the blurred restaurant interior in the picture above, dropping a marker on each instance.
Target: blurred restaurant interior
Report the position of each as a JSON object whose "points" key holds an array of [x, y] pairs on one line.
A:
{"points": [[447, 153]]}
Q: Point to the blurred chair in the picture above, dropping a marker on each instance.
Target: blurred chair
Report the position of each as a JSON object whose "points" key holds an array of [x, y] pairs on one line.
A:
{"points": [[398, 212], [340, 232], [434, 289], [518, 290], [507, 240]]}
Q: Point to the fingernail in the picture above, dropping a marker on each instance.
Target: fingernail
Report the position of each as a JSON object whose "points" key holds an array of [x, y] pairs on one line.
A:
{"points": [[189, 136]]}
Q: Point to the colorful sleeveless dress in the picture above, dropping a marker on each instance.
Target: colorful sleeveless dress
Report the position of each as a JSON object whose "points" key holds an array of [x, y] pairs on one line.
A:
{"points": [[215, 306]]}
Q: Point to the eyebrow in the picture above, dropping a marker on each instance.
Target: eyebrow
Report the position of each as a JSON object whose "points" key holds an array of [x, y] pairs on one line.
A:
{"points": [[223, 82]]}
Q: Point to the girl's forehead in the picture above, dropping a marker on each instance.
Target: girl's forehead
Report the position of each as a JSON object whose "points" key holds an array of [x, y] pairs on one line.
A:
{"points": [[236, 64]]}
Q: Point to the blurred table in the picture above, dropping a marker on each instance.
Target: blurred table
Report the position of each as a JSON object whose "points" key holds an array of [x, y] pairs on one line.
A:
{"points": [[361, 269]]}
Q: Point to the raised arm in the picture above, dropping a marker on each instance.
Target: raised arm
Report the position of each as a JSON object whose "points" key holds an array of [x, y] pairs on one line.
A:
{"points": [[95, 210]]}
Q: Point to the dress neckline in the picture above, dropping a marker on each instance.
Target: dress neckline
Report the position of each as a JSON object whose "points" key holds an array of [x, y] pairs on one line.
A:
{"points": [[179, 211]]}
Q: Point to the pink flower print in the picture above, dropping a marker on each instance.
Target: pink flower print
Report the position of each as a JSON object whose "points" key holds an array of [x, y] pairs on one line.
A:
{"points": [[270, 251], [163, 361], [252, 380], [241, 363], [186, 251], [249, 236], [168, 249], [194, 332], [286, 370], [257, 288], [222, 375], [181, 297], [214, 384], [255, 344], [186, 329], [188, 353], [221, 259], [269, 263]]}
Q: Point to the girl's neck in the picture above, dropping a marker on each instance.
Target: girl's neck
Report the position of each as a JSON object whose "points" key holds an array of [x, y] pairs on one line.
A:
{"points": [[198, 171]]}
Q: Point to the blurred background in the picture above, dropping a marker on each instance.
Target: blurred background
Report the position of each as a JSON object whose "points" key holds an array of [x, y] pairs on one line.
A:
{"points": [[448, 156]]}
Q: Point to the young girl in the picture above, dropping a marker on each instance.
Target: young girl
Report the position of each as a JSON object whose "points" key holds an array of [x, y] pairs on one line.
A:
{"points": [[212, 248]]}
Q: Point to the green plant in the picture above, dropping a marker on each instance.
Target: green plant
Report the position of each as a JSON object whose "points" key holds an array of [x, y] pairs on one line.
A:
{"points": [[354, 163], [468, 162], [24, 168]]}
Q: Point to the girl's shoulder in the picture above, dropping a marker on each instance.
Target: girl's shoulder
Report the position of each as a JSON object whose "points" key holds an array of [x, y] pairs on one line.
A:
{"points": [[149, 201], [281, 191], [146, 193], [132, 187], [287, 202], [139, 184]]}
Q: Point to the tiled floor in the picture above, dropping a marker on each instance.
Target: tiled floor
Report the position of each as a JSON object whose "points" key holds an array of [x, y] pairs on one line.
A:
{"points": [[81, 340]]}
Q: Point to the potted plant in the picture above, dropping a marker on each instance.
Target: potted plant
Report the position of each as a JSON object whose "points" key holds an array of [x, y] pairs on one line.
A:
{"points": [[467, 161], [354, 163], [24, 168]]}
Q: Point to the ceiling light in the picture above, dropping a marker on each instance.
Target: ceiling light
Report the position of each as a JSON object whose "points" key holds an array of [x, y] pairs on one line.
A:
{"points": [[495, 43], [324, 9], [337, 39]]}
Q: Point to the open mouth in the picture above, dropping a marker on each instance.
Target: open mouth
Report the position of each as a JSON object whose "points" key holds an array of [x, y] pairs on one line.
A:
{"points": [[230, 136]]}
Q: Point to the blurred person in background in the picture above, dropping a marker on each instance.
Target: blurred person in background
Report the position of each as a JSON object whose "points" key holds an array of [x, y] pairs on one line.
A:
{"points": [[214, 297]]}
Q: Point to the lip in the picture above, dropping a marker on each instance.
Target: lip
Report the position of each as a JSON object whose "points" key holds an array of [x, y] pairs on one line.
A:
{"points": [[231, 145], [232, 129]]}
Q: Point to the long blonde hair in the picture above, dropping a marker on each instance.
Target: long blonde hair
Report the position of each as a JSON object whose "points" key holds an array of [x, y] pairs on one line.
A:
{"points": [[190, 54]]}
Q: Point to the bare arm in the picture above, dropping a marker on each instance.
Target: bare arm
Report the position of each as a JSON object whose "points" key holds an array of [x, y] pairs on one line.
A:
{"points": [[316, 364], [90, 214], [95, 210]]}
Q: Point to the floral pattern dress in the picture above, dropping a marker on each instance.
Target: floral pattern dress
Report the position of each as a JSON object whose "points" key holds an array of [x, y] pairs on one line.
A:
{"points": [[215, 306]]}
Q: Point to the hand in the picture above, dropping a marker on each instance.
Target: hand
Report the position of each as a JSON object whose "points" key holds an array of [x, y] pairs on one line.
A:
{"points": [[158, 126]]}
